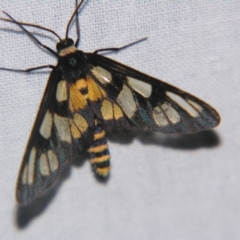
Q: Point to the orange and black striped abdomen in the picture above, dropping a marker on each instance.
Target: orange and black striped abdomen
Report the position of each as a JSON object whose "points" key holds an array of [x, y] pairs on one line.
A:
{"points": [[99, 153]]}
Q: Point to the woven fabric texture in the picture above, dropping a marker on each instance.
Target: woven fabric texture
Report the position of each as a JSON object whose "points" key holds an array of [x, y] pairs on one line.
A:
{"points": [[161, 187]]}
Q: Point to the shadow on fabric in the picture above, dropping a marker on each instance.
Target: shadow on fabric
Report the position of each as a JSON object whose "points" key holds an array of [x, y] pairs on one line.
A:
{"points": [[204, 139]]}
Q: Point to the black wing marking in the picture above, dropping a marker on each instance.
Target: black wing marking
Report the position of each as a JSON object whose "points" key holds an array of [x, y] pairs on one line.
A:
{"points": [[149, 104], [59, 134]]}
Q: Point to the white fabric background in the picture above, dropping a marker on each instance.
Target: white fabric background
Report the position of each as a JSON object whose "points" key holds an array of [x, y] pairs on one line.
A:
{"points": [[161, 187]]}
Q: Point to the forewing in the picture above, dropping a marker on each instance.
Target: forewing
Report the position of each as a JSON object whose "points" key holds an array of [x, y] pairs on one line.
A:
{"points": [[149, 104], [61, 132]]}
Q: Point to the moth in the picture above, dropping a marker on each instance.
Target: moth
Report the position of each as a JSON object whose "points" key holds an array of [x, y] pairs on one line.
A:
{"points": [[87, 95]]}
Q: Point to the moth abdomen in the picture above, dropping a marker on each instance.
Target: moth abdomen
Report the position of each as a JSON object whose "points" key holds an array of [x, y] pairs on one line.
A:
{"points": [[99, 153]]}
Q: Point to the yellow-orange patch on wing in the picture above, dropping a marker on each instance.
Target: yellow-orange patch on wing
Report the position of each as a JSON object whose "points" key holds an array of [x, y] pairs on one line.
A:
{"points": [[117, 111], [107, 110], [76, 101], [79, 125], [80, 122], [81, 83], [104, 94], [75, 131], [95, 92]]}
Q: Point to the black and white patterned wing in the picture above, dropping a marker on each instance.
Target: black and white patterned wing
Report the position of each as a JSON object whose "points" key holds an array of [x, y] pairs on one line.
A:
{"points": [[61, 132], [148, 104]]}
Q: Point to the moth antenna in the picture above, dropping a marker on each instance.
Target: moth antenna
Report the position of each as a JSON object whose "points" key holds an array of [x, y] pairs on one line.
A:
{"points": [[31, 35], [73, 15], [77, 27], [33, 25]]}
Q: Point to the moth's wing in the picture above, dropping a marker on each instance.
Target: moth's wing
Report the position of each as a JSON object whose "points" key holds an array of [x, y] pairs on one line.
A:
{"points": [[59, 133], [149, 104]]}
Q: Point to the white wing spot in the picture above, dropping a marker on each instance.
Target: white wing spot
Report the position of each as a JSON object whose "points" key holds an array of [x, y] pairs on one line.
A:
{"points": [[183, 104], [159, 117], [139, 86], [171, 113], [43, 165], [63, 128], [195, 105], [53, 160], [46, 126], [31, 165], [61, 93], [25, 174], [126, 101], [102, 75]]}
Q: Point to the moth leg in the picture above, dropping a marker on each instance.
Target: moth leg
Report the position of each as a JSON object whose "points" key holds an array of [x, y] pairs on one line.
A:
{"points": [[99, 153], [116, 49]]}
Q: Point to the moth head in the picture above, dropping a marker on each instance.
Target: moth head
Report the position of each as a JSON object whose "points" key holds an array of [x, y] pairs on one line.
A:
{"points": [[63, 44]]}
